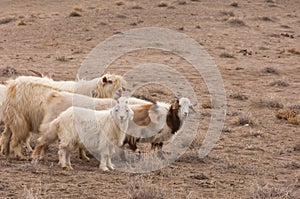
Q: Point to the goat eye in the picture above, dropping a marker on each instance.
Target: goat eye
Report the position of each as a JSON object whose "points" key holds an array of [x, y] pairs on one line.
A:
{"points": [[117, 110], [179, 106], [127, 111]]}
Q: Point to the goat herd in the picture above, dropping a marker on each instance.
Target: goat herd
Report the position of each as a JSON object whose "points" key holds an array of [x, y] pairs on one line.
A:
{"points": [[82, 115]]}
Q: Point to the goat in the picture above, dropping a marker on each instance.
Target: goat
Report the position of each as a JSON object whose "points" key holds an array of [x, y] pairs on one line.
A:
{"points": [[176, 114], [98, 131]]}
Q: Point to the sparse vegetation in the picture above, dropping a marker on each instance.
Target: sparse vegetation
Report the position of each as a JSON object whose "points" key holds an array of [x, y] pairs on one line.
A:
{"points": [[228, 13], [238, 96], [162, 4], [265, 18], [293, 51], [271, 104], [271, 70], [6, 20], [226, 55], [74, 14], [139, 189], [279, 83], [234, 4], [245, 120], [236, 22], [269, 191], [62, 58], [137, 7]]}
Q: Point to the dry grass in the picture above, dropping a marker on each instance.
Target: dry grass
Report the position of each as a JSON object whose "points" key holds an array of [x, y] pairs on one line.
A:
{"points": [[279, 83], [228, 13], [270, 104], [226, 55], [74, 14], [21, 23], [140, 189], [238, 96], [294, 51], [245, 120], [264, 18], [137, 7], [236, 22], [61, 58], [269, 191], [162, 4], [288, 114], [234, 4], [271, 70], [6, 20]]}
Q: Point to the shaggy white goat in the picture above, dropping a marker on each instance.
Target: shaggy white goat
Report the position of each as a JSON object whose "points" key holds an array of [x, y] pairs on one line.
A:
{"points": [[98, 131]]}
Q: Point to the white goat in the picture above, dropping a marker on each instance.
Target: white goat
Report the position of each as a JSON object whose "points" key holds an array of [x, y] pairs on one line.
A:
{"points": [[99, 131]]}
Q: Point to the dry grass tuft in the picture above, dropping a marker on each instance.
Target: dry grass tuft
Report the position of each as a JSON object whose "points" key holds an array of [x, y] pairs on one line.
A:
{"points": [[207, 105], [288, 114], [270, 104], [139, 189], [279, 83], [238, 96], [21, 23], [61, 58], [74, 14], [162, 4], [226, 55], [271, 70], [264, 18], [6, 20], [236, 22], [119, 3], [137, 7], [269, 191], [293, 51], [228, 13], [245, 120], [234, 4]]}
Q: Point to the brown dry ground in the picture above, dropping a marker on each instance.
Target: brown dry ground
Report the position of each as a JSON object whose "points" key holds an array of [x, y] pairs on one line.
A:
{"points": [[255, 45]]}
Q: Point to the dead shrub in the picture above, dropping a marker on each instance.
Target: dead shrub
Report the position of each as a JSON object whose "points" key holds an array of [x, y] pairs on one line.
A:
{"points": [[226, 55], [279, 83], [269, 191], [234, 4], [6, 20], [162, 4], [236, 22], [271, 70], [139, 189], [293, 51], [245, 120], [74, 14], [238, 96], [207, 105], [270, 104], [286, 114]]}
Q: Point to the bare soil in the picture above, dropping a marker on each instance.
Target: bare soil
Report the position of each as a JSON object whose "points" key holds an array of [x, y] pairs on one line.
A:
{"points": [[255, 45]]}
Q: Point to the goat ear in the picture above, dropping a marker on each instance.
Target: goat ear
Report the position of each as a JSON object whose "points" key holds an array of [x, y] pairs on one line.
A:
{"points": [[104, 79]]}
